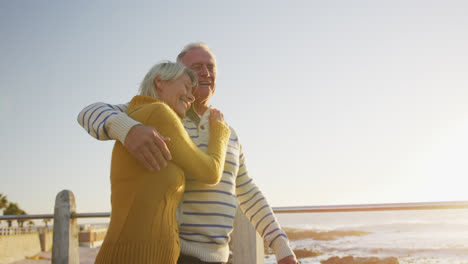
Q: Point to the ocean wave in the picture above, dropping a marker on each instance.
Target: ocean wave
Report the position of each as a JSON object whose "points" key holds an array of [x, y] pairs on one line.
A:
{"points": [[412, 227], [349, 249], [299, 234], [413, 237]]}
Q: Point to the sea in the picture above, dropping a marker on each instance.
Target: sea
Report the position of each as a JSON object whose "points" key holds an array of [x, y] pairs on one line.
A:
{"points": [[421, 236]]}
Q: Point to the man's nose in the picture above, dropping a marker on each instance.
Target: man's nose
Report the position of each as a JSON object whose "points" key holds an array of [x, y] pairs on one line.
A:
{"points": [[204, 71]]}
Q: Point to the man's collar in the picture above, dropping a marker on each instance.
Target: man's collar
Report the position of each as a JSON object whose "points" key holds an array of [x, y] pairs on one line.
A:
{"points": [[193, 115]]}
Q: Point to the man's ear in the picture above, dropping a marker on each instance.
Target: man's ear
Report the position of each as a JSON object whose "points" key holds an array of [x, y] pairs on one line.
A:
{"points": [[157, 82]]}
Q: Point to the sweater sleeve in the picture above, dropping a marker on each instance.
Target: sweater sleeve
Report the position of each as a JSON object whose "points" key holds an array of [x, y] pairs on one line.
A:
{"points": [[256, 208], [205, 167], [105, 122]]}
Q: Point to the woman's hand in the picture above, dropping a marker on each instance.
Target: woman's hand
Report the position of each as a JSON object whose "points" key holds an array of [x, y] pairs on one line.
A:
{"points": [[216, 115]]}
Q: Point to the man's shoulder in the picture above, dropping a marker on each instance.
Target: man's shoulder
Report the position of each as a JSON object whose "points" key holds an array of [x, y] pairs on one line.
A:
{"points": [[206, 116], [234, 136], [233, 131]]}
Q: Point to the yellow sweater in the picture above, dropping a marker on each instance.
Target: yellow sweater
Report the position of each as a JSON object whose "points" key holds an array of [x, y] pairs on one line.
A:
{"points": [[143, 226]]}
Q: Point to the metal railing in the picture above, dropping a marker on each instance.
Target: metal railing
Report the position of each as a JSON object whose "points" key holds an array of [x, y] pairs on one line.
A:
{"points": [[292, 209], [372, 207], [5, 231], [247, 244]]}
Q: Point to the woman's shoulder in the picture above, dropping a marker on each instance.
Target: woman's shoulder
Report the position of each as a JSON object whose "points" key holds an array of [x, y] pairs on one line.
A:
{"points": [[144, 107], [159, 107], [147, 103]]}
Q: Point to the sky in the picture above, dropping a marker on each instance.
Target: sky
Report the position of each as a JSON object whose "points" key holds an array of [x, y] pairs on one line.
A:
{"points": [[334, 102]]}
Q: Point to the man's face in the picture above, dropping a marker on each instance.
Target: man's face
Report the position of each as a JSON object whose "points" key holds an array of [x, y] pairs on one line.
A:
{"points": [[204, 65]]}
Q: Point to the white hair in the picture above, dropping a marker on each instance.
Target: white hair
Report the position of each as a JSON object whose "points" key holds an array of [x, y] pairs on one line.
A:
{"points": [[167, 71], [195, 45]]}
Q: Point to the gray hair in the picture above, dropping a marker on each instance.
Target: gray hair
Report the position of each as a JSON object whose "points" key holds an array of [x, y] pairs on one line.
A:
{"points": [[195, 45], [167, 71]]}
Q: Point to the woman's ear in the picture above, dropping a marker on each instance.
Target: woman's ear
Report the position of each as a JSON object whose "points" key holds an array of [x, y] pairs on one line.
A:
{"points": [[157, 82]]}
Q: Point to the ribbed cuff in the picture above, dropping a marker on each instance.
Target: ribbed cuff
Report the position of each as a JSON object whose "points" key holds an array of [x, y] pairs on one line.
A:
{"points": [[119, 125], [219, 130], [205, 252], [282, 249]]}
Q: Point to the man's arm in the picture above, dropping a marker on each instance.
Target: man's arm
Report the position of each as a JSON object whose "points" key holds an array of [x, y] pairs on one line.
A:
{"points": [[256, 208], [105, 122]]}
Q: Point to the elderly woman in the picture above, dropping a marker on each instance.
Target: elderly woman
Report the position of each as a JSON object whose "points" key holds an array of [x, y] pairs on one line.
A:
{"points": [[143, 225]]}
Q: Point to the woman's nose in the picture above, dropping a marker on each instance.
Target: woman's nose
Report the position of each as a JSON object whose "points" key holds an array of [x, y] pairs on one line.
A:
{"points": [[190, 97]]}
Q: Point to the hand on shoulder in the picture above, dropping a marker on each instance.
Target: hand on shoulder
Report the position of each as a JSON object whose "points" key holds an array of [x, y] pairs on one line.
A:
{"points": [[216, 115]]}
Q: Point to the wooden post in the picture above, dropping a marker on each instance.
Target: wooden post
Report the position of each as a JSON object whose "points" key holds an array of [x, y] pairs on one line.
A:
{"points": [[247, 244], [65, 246]]}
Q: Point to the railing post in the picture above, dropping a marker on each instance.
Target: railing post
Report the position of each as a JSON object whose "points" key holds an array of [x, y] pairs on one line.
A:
{"points": [[247, 244], [65, 243]]}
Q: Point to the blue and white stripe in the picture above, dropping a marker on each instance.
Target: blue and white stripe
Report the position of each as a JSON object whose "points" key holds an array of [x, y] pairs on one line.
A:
{"points": [[206, 212], [93, 118]]}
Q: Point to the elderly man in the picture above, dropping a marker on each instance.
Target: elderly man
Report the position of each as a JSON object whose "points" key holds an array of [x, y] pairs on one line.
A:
{"points": [[206, 212]]}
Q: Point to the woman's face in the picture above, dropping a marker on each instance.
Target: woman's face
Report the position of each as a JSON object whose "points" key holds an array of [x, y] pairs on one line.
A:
{"points": [[177, 93]]}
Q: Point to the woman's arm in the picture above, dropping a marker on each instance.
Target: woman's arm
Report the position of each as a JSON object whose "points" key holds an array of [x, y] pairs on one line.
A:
{"points": [[205, 167]]}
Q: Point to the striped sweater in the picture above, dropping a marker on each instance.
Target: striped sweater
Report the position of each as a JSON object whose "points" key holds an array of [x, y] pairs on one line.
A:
{"points": [[206, 212]]}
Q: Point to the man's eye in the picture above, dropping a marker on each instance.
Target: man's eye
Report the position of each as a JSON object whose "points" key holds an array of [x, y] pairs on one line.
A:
{"points": [[196, 68]]}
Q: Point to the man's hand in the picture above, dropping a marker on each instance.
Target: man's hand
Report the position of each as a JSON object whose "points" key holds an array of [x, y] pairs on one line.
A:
{"points": [[288, 260], [148, 147]]}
